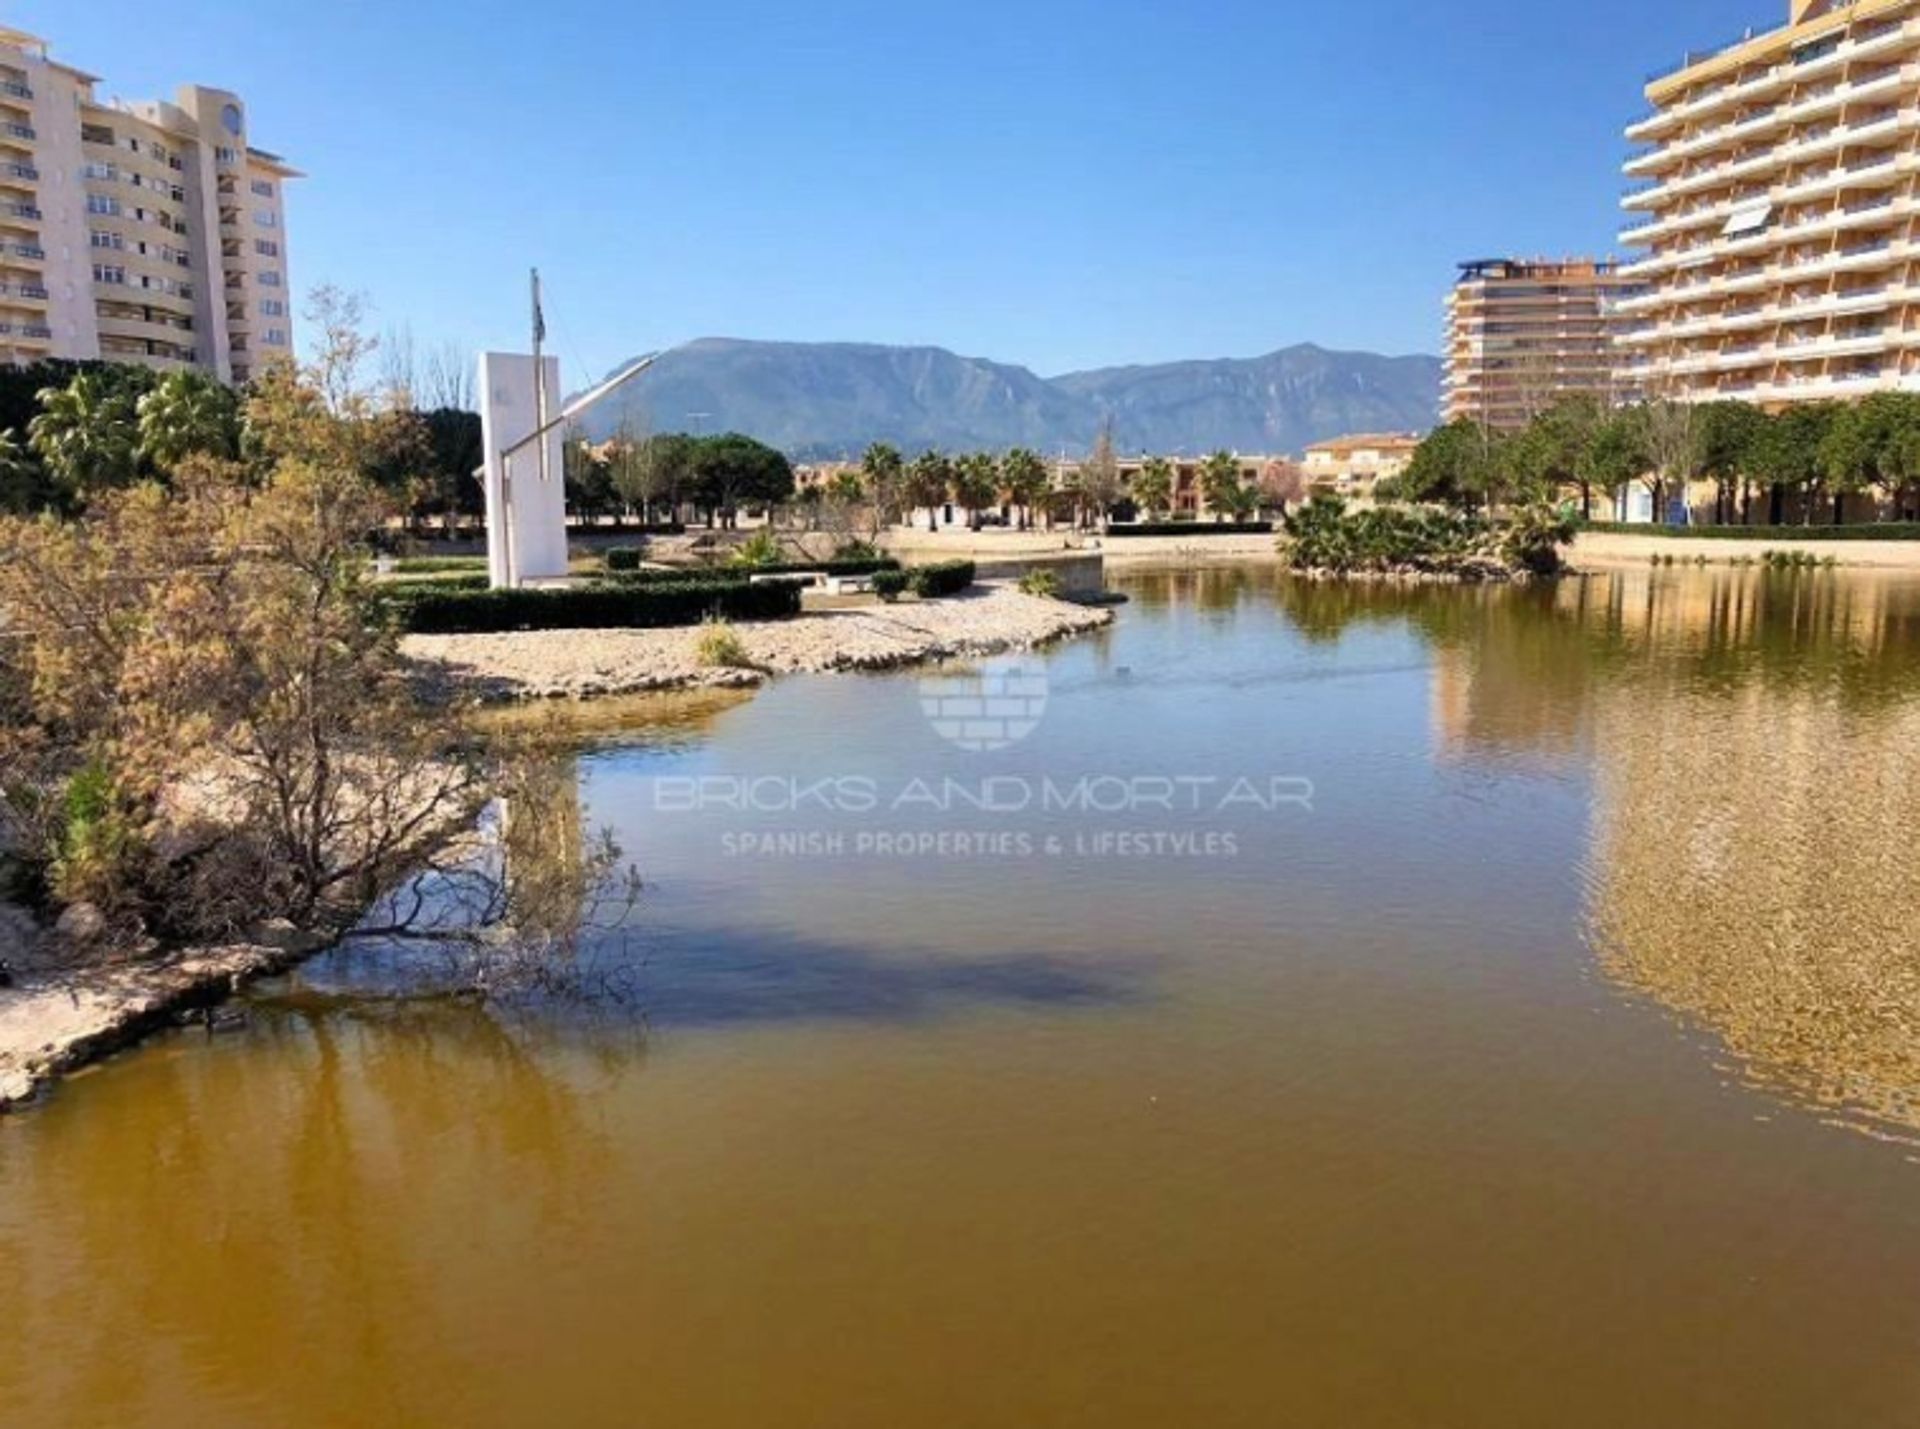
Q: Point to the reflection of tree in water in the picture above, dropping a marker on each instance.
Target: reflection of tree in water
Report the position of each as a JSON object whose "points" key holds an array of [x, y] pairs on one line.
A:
{"points": [[245, 1215], [1753, 867], [1757, 807]]}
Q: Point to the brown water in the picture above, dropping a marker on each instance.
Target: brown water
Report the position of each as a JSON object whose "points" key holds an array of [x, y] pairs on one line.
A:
{"points": [[1556, 1067]]}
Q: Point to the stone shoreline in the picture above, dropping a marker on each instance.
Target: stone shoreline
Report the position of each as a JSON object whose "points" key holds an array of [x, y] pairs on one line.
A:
{"points": [[587, 664], [55, 1023]]}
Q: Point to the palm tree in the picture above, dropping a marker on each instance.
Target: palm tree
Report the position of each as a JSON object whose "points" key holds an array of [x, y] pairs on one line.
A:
{"points": [[976, 484], [87, 435], [187, 414], [1025, 475], [884, 471], [929, 479], [1220, 483], [1153, 487], [19, 476]]}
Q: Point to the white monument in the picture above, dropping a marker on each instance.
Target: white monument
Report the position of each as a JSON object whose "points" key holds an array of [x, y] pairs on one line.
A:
{"points": [[525, 475]]}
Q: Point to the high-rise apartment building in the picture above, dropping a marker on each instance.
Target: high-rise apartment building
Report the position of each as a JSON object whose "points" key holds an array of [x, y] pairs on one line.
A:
{"points": [[1523, 334], [1776, 187], [150, 233]]}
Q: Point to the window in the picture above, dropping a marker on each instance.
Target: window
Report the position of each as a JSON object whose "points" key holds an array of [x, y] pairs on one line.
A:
{"points": [[227, 156], [103, 204], [97, 134], [272, 308], [266, 218], [262, 188], [109, 273], [100, 239], [276, 337], [269, 280], [266, 248], [107, 172]]}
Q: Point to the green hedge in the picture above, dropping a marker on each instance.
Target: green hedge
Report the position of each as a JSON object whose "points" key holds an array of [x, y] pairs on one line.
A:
{"points": [[890, 585], [604, 606], [1883, 531], [623, 558], [438, 565], [946, 578], [1193, 528], [860, 567]]}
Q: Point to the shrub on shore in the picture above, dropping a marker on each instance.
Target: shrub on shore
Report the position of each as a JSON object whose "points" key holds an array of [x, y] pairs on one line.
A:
{"points": [[721, 647], [1324, 537], [890, 585], [1041, 582], [623, 558], [945, 578]]}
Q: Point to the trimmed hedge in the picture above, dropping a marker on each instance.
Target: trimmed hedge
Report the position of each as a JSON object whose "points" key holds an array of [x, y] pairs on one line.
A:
{"points": [[946, 578], [626, 570], [1193, 528], [1882, 531], [890, 585], [438, 565], [859, 566], [597, 607], [623, 558]]}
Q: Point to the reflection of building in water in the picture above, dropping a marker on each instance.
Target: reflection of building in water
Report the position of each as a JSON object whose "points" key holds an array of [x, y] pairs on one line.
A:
{"points": [[1753, 862]]}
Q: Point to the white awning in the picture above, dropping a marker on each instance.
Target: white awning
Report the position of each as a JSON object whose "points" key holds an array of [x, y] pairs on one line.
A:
{"points": [[1748, 220]]}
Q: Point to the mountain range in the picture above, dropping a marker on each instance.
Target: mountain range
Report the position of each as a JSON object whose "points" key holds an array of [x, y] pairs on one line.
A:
{"points": [[820, 401]]}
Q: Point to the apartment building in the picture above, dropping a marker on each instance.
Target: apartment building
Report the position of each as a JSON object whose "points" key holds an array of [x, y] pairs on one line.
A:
{"points": [[1774, 185], [1524, 333], [1354, 467], [149, 232]]}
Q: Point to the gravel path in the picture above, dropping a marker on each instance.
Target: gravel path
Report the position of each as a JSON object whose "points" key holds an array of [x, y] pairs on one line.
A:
{"points": [[580, 664]]}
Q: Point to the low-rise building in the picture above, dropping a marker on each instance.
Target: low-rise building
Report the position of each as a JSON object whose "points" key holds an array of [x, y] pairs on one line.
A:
{"points": [[1353, 467]]}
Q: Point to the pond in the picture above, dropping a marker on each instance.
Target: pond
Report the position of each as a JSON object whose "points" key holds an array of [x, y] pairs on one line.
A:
{"points": [[1298, 1004]]}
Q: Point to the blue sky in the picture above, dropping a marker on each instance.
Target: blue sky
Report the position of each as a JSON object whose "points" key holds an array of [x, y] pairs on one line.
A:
{"points": [[1058, 183]]}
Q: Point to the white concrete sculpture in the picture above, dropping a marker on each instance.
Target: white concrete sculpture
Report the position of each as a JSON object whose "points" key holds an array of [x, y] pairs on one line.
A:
{"points": [[526, 495]]}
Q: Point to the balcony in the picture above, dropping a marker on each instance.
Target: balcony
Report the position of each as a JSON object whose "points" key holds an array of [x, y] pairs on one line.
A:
{"points": [[1791, 70]]}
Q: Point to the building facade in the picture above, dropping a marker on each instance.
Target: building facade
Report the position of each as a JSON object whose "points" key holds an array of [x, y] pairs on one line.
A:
{"points": [[151, 233], [1524, 333], [1353, 467], [1777, 210]]}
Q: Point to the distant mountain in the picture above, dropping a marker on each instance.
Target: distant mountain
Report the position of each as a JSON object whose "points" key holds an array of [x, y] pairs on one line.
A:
{"points": [[824, 400], [1279, 403]]}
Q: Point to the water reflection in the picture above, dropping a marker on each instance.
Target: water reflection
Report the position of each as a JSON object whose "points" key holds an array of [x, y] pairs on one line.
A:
{"points": [[243, 1211], [1753, 744]]}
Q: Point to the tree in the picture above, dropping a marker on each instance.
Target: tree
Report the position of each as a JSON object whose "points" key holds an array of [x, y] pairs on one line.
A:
{"points": [[1848, 455], [732, 470], [86, 434], [1153, 486], [885, 477], [652, 470], [455, 451], [1728, 432], [1786, 452], [929, 479], [188, 414], [1548, 454], [1671, 434], [1026, 480], [588, 474], [1099, 485], [1614, 456], [1463, 465], [976, 484], [23, 486], [1221, 485], [1282, 485]]}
